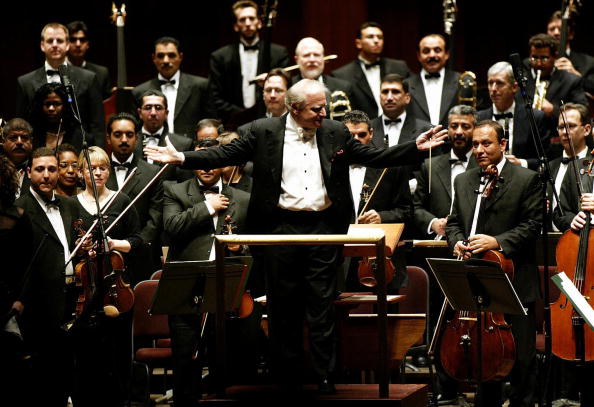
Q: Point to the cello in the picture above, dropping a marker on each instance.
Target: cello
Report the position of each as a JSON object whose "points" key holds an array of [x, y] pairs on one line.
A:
{"points": [[459, 336]]}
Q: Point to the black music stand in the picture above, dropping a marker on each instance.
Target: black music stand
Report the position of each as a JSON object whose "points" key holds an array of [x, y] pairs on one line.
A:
{"points": [[476, 285], [189, 287]]}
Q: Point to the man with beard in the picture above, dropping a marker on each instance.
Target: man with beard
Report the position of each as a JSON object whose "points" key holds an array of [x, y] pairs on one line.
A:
{"points": [[17, 145]]}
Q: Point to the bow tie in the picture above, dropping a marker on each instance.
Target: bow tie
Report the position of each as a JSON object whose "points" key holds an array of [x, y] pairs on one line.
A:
{"points": [[434, 75], [121, 166], [371, 65], [54, 203], [155, 136], [387, 122], [508, 115], [253, 47], [458, 160], [213, 188], [166, 82], [567, 160], [52, 72]]}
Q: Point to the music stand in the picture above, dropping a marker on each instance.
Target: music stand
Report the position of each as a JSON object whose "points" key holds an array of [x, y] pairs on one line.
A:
{"points": [[476, 285], [189, 287]]}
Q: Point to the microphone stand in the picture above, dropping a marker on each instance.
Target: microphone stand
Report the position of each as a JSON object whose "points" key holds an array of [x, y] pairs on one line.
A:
{"points": [[104, 245], [545, 178]]}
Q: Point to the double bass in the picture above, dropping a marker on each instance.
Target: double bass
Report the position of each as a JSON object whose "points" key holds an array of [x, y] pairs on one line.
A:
{"points": [[458, 355]]}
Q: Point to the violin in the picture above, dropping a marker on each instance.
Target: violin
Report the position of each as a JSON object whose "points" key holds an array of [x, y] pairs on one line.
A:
{"points": [[570, 339], [458, 355]]}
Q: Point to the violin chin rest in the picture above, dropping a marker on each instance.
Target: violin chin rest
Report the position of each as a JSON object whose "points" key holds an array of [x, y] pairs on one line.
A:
{"points": [[111, 311]]}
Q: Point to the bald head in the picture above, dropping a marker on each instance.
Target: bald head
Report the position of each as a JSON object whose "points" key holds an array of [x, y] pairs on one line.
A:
{"points": [[309, 55]]}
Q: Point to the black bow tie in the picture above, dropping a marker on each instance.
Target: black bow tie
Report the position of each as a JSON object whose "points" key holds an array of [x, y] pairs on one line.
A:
{"points": [[253, 47], [212, 188], [458, 160], [166, 82], [52, 72], [147, 135], [126, 165], [54, 203], [387, 122], [567, 160], [500, 116], [372, 64], [434, 75]]}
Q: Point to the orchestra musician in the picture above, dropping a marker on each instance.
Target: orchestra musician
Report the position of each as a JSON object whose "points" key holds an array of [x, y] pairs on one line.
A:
{"points": [[509, 221], [17, 145], [306, 196], [275, 87], [68, 181]]}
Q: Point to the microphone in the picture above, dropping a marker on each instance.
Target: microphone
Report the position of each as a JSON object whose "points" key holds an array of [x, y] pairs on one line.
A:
{"points": [[518, 69], [63, 72]]}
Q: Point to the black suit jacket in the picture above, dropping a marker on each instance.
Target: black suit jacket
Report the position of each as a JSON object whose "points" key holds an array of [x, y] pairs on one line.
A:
{"points": [[361, 94], [102, 77], [88, 95], [523, 144], [512, 215], [263, 144], [436, 204], [411, 129], [191, 104], [225, 80], [584, 64], [44, 299], [188, 224], [449, 97]]}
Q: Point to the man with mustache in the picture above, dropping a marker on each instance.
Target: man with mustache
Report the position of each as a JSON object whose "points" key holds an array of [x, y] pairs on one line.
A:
{"points": [[186, 94], [434, 90], [513, 117], [17, 145], [122, 137]]}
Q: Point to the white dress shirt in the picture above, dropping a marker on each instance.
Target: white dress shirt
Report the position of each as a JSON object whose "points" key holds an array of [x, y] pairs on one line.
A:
{"points": [[302, 182], [213, 213], [249, 68], [392, 131], [433, 90], [121, 172], [170, 92], [561, 175], [356, 177], [373, 76], [52, 78], [152, 140], [479, 197]]}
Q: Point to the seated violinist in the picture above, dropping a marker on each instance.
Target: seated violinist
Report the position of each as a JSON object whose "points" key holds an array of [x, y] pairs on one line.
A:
{"points": [[509, 221], [103, 346]]}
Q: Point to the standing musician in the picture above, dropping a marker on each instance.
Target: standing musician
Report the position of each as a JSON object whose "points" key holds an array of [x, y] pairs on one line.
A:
{"points": [[194, 211], [308, 195], [50, 293], [17, 145], [103, 344], [510, 221], [513, 117]]}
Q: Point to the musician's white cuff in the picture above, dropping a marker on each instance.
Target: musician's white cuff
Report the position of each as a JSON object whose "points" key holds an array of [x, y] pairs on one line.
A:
{"points": [[181, 157], [429, 230], [523, 163]]}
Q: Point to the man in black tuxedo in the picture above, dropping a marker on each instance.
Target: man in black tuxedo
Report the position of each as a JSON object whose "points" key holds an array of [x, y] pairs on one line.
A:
{"points": [[310, 195], [391, 202], [233, 67], [194, 211], [562, 85], [17, 145], [79, 45], [54, 45], [187, 95], [365, 73], [309, 55], [513, 116], [153, 112], [275, 88], [434, 90], [50, 294], [578, 63], [515, 234], [122, 137]]}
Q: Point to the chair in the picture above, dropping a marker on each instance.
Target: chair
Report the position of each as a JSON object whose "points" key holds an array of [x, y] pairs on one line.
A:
{"points": [[147, 330]]}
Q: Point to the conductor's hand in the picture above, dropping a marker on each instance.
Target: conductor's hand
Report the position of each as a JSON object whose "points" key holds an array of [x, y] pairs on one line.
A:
{"points": [[166, 155], [432, 138], [217, 201]]}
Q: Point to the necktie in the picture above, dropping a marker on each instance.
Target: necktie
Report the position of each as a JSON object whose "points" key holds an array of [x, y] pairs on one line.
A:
{"points": [[458, 160], [212, 188], [434, 75], [166, 82], [387, 122], [508, 115], [253, 47], [371, 65], [567, 160]]}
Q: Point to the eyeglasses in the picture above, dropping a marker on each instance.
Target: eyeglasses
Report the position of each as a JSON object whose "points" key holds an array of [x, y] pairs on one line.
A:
{"points": [[148, 108], [65, 165], [537, 58]]}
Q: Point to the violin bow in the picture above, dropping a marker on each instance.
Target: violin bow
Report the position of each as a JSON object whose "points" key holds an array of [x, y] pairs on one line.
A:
{"points": [[381, 177]]}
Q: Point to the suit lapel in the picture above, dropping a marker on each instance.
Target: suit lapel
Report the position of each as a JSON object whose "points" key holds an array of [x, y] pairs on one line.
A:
{"points": [[275, 139], [40, 218], [39, 78], [378, 139], [360, 80], [502, 187], [67, 221], [418, 90], [450, 87], [408, 128], [443, 172], [183, 93], [325, 142]]}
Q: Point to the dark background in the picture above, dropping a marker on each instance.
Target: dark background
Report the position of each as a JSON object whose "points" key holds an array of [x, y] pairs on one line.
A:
{"points": [[485, 31]]}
